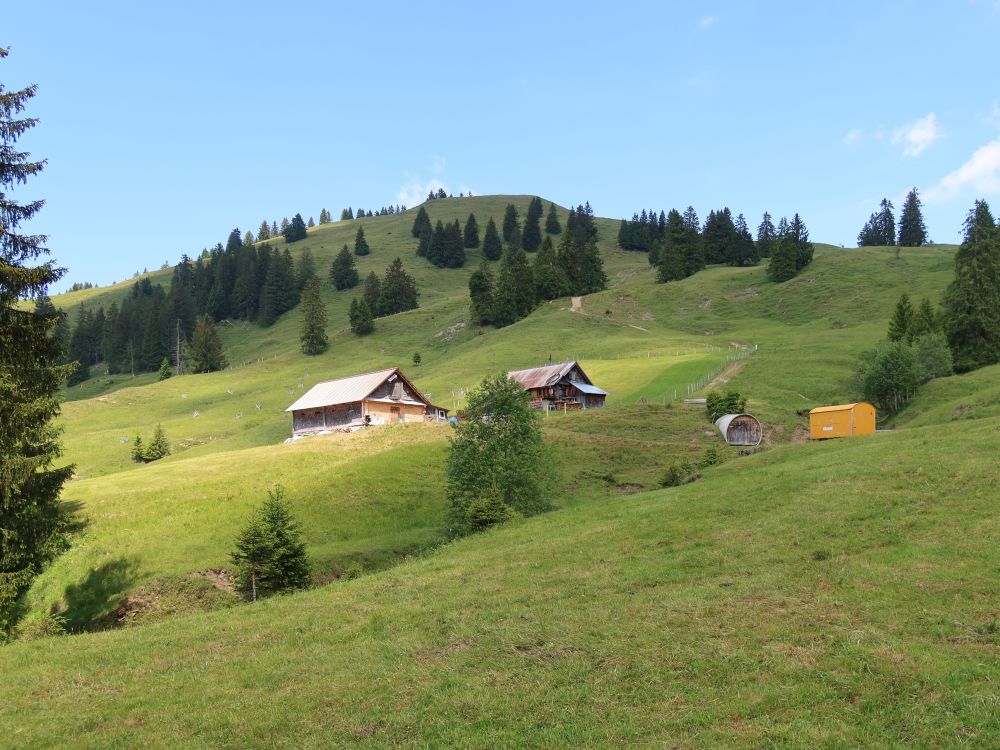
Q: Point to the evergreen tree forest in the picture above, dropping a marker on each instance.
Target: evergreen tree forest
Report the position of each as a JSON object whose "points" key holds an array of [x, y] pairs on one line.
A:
{"points": [[515, 288], [255, 283]]}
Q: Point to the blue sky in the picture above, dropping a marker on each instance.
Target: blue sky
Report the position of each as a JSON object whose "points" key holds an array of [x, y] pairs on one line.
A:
{"points": [[166, 125]]}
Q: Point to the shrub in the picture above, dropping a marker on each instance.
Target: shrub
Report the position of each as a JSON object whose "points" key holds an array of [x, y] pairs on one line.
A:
{"points": [[712, 457], [718, 404], [676, 474]]}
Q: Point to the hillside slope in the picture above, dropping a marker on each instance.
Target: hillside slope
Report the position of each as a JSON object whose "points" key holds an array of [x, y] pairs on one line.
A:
{"points": [[839, 594]]}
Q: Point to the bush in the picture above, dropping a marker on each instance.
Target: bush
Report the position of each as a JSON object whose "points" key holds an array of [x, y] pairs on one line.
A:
{"points": [[933, 356], [889, 375], [677, 474], [712, 457], [45, 626], [718, 404], [488, 510]]}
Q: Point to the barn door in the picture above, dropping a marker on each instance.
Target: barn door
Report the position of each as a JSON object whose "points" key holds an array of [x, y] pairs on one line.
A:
{"points": [[394, 414]]}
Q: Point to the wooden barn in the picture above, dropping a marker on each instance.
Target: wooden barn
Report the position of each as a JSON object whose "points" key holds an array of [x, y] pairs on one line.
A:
{"points": [[845, 420], [740, 429], [374, 398], [561, 386]]}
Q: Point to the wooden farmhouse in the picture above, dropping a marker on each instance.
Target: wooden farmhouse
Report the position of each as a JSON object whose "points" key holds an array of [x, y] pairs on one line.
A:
{"points": [[563, 386], [375, 398]]}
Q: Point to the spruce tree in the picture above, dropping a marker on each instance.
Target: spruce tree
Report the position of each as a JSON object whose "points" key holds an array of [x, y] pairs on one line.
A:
{"points": [[531, 236], [424, 245], [672, 255], [371, 291], [482, 288], [313, 334], [803, 247], [361, 317], [347, 214], [509, 222], [305, 269], [766, 236], [264, 233], [455, 247], [925, 319], [437, 247], [138, 452], [166, 371], [901, 323], [158, 447], [515, 295], [492, 248], [343, 273], [248, 238], [744, 249], [470, 236], [971, 311], [719, 238], [205, 352], [552, 225], [912, 230], [421, 222], [270, 556], [360, 244], [978, 219], [550, 278], [30, 511], [784, 258], [399, 290]]}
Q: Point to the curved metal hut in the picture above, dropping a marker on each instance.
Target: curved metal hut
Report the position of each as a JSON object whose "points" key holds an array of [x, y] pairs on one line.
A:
{"points": [[740, 429]]}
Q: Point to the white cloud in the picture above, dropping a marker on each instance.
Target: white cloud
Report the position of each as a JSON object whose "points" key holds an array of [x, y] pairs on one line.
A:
{"points": [[917, 136], [415, 189], [707, 21], [981, 172], [853, 136]]}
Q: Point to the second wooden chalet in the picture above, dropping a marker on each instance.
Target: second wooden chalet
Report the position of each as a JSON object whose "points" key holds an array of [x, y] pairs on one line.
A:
{"points": [[374, 398], [561, 386]]}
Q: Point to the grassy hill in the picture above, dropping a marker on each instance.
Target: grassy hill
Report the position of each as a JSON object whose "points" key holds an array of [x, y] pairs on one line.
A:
{"points": [[836, 594]]}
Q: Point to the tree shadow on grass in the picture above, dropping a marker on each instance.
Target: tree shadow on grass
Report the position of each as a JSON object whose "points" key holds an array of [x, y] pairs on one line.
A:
{"points": [[92, 603]]}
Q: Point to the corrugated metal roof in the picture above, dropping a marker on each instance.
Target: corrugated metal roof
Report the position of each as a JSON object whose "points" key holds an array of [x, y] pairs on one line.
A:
{"points": [[839, 407], [341, 391], [541, 377], [586, 388]]}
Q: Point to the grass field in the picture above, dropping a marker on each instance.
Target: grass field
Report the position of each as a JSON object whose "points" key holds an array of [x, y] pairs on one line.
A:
{"points": [[836, 594]]}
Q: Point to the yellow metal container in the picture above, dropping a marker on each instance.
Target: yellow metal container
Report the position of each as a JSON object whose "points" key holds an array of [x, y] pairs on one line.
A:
{"points": [[845, 420]]}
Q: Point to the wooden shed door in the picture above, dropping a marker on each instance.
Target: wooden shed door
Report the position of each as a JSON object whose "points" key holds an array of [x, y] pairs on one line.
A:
{"points": [[394, 414]]}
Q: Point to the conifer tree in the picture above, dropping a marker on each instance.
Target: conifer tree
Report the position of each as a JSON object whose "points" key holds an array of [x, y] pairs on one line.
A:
{"points": [[360, 244], [510, 223], [454, 247], [719, 237], [925, 319], [979, 218], [372, 291], [552, 225], [531, 236], [285, 224], [398, 292], [274, 229], [550, 278], [515, 294], [470, 236], [766, 236], [362, 322], [313, 335], [343, 273], [673, 252], [248, 239], [30, 512], [482, 287], [347, 214], [205, 353], [264, 233], [902, 320], [803, 247], [492, 248], [305, 269], [166, 371], [437, 247], [138, 452], [971, 313], [744, 250], [270, 556], [158, 447], [421, 222], [424, 245], [784, 258], [310, 224], [324, 216], [912, 230], [691, 220]]}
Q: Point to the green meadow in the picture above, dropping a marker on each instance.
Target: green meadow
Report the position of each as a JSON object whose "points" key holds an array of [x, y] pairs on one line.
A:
{"points": [[834, 594]]}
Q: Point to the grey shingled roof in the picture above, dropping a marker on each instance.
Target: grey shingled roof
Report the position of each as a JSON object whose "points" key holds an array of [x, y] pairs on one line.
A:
{"points": [[341, 391]]}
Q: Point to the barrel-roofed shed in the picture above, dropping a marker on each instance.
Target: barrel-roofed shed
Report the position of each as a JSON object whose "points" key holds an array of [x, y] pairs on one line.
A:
{"points": [[740, 429]]}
